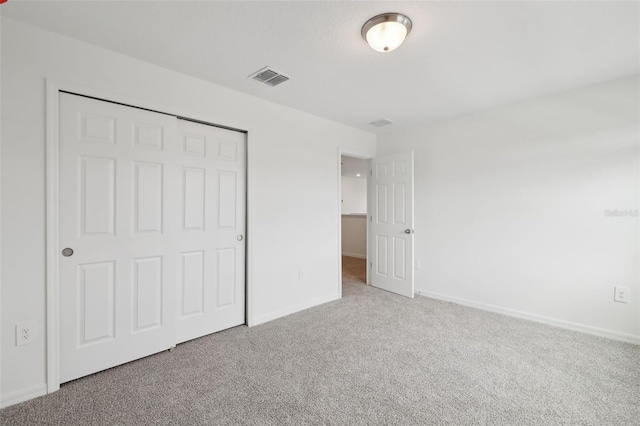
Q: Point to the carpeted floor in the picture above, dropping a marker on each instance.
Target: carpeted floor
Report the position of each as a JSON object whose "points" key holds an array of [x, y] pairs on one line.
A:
{"points": [[371, 358]]}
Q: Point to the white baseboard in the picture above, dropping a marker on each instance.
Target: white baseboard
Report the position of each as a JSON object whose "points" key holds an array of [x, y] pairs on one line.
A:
{"points": [[583, 328], [359, 256], [15, 397], [292, 310]]}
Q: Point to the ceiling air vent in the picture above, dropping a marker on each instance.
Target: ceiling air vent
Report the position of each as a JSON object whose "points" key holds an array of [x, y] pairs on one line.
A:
{"points": [[381, 122], [268, 76]]}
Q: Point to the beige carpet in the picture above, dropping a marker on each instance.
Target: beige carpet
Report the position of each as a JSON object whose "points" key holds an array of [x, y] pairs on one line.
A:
{"points": [[371, 358]]}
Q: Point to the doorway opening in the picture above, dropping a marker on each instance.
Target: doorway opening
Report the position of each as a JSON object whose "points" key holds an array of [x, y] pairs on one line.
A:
{"points": [[354, 178]]}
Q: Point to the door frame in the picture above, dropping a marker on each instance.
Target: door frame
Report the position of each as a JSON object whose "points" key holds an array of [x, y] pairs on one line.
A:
{"points": [[52, 103], [342, 152]]}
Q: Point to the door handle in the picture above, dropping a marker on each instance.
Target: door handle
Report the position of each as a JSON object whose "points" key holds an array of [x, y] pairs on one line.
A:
{"points": [[67, 252], [408, 231], [240, 237]]}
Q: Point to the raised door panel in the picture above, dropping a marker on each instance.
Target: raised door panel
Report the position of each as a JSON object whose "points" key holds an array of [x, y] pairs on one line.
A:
{"points": [[399, 258], [97, 196], [381, 203], [148, 136], [148, 197], [192, 288], [399, 168], [399, 203], [96, 303], [382, 255], [95, 128], [382, 170], [228, 150], [193, 200], [194, 145], [227, 200], [226, 277], [147, 293]]}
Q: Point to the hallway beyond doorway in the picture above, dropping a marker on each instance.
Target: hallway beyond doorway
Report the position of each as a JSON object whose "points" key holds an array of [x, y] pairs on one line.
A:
{"points": [[354, 270]]}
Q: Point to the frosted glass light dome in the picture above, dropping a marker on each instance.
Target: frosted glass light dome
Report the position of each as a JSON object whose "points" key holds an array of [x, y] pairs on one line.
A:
{"points": [[386, 32]]}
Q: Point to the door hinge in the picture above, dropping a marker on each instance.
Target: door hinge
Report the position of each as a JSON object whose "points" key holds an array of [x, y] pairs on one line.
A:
{"points": [[370, 264], [371, 218]]}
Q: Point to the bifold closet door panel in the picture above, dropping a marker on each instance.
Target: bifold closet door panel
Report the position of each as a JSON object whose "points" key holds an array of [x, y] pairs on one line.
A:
{"points": [[211, 288], [119, 174]]}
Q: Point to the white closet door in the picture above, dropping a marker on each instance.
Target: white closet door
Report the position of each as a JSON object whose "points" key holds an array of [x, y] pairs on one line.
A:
{"points": [[211, 293], [119, 184], [391, 230]]}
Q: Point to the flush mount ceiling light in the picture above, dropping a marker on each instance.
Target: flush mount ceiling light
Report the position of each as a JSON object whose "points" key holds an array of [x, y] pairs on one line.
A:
{"points": [[386, 32]]}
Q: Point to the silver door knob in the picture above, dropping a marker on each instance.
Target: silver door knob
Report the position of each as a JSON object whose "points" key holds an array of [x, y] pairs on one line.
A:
{"points": [[407, 231], [240, 237], [67, 252]]}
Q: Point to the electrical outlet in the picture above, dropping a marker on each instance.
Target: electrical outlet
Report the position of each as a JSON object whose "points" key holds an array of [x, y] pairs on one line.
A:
{"points": [[25, 333], [621, 294]]}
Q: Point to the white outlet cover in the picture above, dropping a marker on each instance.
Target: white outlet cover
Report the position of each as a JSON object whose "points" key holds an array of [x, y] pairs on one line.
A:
{"points": [[25, 333], [621, 294]]}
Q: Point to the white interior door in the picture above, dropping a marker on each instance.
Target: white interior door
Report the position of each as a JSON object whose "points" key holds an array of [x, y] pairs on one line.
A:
{"points": [[118, 180], [391, 223], [211, 293]]}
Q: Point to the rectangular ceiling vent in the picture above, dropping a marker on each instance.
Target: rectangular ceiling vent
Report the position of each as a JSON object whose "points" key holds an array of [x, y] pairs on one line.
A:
{"points": [[381, 122], [269, 77]]}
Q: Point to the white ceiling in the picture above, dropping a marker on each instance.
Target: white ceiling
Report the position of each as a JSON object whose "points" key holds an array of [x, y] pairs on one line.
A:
{"points": [[460, 56], [354, 167]]}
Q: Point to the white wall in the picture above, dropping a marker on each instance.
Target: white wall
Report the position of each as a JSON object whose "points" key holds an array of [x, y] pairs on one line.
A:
{"points": [[510, 208], [354, 236], [354, 220], [293, 181], [354, 195]]}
